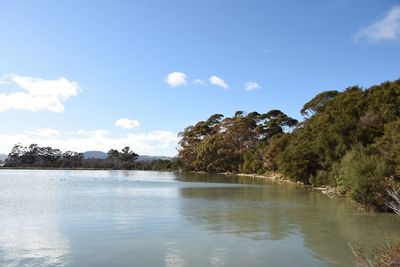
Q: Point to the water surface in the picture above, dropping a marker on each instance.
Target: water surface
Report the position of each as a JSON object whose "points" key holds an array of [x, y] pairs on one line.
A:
{"points": [[135, 218]]}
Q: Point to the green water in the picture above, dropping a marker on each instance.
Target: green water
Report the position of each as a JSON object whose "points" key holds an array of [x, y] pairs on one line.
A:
{"points": [[133, 218]]}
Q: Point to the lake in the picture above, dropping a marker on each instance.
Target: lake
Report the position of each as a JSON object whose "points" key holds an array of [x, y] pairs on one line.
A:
{"points": [[142, 218]]}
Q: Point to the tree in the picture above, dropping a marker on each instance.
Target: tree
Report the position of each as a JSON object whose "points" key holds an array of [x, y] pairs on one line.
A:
{"points": [[318, 103], [122, 159], [389, 144], [36, 156], [127, 155], [113, 154], [223, 145], [317, 150]]}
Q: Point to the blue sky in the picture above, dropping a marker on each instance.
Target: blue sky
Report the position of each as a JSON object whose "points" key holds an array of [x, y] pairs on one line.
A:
{"points": [[71, 70]]}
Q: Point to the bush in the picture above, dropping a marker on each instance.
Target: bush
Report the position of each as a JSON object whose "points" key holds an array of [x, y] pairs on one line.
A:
{"points": [[364, 174], [320, 178], [335, 177], [253, 162], [389, 144], [298, 163]]}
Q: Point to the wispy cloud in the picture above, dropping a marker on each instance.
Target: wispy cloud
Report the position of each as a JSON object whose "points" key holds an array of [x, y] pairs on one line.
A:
{"points": [[199, 82], [93, 134], [125, 123], [38, 94], [45, 132], [175, 79], [385, 29], [217, 81], [252, 86]]}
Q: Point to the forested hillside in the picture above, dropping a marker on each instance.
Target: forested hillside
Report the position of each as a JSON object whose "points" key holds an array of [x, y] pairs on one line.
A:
{"points": [[348, 139]]}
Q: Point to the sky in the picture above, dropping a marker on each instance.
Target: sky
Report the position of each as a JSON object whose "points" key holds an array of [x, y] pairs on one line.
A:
{"points": [[96, 75]]}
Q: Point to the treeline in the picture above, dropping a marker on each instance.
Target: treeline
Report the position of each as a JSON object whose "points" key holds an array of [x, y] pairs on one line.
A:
{"points": [[157, 165], [348, 139], [34, 156]]}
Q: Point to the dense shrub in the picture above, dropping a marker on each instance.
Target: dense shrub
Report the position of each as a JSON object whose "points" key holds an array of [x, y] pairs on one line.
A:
{"points": [[389, 144], [365, 174]]}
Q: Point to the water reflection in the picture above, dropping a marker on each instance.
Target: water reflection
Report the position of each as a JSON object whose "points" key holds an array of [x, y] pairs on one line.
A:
{"points": [[30, 233], [273, 212], [33, 242], [173, 255], [244, 211], [219, 257], [115, 218]]}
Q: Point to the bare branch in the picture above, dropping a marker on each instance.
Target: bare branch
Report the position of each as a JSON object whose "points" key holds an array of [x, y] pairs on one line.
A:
{"points": [[394, 205]]}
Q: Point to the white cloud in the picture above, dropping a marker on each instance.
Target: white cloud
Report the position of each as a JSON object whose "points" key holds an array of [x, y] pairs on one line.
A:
{"points": [[93, 134], [125, 123], [251, 86], [60, 88], [175, 79], [386, 29], [39, 94], [199, 82], [217, 81], [45, 132], [145, 143]]}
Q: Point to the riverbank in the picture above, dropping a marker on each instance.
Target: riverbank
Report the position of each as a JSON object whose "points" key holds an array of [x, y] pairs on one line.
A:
{"points": [[277, 177], [274, 177]]}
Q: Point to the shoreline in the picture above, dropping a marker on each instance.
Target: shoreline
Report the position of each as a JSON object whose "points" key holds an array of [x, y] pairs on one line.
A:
{"points": [[277, 177], [273, 177]]}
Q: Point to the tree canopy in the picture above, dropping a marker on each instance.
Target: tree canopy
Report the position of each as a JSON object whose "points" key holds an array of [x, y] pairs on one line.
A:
{"points": [[340, 129]]}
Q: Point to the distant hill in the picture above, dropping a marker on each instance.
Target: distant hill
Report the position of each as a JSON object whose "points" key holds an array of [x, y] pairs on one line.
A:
{"points": [[103, 155], [95, 155], [3, 157]]}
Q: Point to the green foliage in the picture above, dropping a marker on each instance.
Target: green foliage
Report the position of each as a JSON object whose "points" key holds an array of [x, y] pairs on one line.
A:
{"points": [[276, 145], [253, 161], [299, 161], [36, 156], [48, 157], [365, 174], [332, 146], [318, 103], [335, 176], [156, 165], [123, 159], [389, 144], [231, 144], [320, 178]]}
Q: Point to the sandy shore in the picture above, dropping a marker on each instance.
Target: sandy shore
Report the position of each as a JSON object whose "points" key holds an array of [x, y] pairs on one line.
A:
{"points": [[277, 177], [273, 177]]}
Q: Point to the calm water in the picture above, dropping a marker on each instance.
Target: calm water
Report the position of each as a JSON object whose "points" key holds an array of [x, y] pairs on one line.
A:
{"points": [[133, 218]]}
